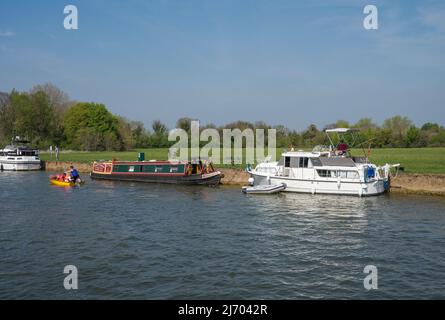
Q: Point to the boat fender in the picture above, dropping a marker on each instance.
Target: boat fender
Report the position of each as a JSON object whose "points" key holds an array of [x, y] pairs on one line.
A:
{"points": [[251, 181]]}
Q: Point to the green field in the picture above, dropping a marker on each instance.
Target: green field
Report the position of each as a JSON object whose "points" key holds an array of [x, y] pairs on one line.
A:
{"points": [[413, 160]]}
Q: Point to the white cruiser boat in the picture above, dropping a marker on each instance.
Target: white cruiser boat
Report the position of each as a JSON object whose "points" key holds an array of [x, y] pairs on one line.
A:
{"points": [[19, 157], [325, 170]]}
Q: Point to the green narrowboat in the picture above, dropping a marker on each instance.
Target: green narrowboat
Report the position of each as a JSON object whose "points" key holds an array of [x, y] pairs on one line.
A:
{"points": [[179, 172]]}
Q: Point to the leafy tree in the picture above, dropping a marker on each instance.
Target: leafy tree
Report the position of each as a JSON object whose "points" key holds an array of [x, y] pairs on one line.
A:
{"points": [[283, 139], [158, 127], [365, 124], [430, 127], [140, 135], [88, 123], [159, 138], [184, 123], [383, 138], [337, 124], [125, 132], [398, 126], [412, 138], [438, 140], [312, 136]]}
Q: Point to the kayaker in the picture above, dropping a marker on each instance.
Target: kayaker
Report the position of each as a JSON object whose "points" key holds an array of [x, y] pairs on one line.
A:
{"points": [[61, 177], [74, 174]]}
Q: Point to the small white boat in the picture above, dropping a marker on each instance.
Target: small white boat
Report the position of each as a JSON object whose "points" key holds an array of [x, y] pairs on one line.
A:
{"points": [[19, 157], [264, 189]]}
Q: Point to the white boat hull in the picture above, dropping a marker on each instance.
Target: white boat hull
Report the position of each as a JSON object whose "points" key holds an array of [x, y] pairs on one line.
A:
{"points": [[20, 165], [355, 188]]}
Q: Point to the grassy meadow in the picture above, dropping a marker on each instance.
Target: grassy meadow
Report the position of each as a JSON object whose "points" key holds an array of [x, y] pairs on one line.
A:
{"points": [[413, 160]]}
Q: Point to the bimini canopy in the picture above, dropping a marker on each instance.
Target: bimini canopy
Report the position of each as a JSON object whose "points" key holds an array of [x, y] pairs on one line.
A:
{"points": [[341, 130]]}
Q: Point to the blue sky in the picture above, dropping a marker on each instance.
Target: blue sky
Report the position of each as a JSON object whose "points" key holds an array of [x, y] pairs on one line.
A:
{"points": [[283, 62]]}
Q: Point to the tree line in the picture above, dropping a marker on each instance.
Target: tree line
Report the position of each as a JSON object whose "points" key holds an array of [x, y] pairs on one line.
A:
{"points": [[48, 117]]}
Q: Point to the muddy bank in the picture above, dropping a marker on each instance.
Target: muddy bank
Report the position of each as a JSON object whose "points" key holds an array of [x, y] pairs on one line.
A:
{"points": [[60, 166], [424, 184], [234, 177]]}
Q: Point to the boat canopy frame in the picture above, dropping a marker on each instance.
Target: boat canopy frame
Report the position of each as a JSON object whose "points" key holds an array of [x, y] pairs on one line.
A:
{"points": [[353, 133], [341, 135]]}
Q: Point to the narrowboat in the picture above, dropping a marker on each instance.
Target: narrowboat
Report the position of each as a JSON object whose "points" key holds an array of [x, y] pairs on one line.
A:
{"points": [[173, 172]]}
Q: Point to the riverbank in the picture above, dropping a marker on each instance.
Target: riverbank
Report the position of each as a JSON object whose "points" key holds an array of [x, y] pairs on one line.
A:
{"points": [[60, 166], [413, 160], [421, 184], [407, 183]]}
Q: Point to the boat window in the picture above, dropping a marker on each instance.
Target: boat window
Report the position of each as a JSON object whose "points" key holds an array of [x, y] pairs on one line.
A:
{"points": [[304, 162], [158, 169], [294, 162], [174, 169], [348, 174], [352, 175], [325, 173], [287, 162]]}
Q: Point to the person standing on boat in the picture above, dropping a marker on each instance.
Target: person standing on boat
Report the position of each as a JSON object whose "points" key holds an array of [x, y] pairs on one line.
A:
{"points": [[342, 148]]}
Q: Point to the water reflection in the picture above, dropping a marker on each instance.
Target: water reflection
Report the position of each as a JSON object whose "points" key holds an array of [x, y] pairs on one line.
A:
{"points": [[139, 240]]}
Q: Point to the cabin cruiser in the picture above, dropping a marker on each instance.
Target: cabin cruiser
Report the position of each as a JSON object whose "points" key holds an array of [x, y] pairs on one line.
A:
{"points": [[19, 157], [325, 170]]}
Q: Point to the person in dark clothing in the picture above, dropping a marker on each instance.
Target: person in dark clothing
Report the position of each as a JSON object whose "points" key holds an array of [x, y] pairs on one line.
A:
{"points": [[342, 148], [74, 174]]}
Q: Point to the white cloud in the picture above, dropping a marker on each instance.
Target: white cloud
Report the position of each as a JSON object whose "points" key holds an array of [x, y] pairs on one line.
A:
{"points": [[7, 34]]}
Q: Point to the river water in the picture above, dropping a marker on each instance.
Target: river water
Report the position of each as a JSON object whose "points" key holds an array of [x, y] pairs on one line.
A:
{"points": [[132, 240]]}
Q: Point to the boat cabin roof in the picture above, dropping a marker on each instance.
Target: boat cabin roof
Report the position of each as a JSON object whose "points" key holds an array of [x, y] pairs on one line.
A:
{"points": [[321, 159], [341, 130], [308, 154], [334, 162]]}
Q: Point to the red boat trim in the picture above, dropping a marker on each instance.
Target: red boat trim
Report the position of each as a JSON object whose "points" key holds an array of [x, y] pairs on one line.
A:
{"points": [[143, 173], [142, 163]]}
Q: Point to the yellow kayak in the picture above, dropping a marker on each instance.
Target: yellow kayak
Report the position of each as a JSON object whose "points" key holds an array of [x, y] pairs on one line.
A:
{"points": [[62, 183]]}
